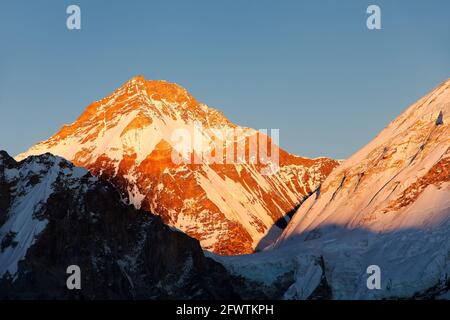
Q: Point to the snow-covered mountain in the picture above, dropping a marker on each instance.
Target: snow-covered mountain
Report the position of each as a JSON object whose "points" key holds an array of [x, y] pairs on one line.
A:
{"points": [[53, 215], [231, 208], [388, 205]]}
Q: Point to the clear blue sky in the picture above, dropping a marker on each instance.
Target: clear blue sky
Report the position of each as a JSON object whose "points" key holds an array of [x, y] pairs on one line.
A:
{"points": [[310, 68]]}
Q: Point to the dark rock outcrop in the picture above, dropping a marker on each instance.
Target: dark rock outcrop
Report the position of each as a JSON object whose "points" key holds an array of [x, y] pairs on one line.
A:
{"points": [[123, 253]]}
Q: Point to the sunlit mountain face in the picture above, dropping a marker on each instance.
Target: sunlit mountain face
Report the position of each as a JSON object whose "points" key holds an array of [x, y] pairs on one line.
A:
{"points": [[387, 206], [119, 182], [400, 180], [321, 225], [231, 205]]}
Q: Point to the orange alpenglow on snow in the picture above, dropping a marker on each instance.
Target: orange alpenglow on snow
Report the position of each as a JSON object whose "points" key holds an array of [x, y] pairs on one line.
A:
{"points": [[384, 209], [399, 181], [230, 207]]}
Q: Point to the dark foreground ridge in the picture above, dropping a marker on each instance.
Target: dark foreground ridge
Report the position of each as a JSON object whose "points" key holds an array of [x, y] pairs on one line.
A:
{"points": [[72, 218]]}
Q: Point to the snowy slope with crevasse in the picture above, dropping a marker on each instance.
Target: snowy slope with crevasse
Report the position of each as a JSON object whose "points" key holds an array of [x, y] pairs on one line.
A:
{"points": [[387, 205]]}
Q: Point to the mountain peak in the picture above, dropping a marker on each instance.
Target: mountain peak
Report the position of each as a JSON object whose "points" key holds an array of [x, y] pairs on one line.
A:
{"points": [[161, 90], [138, 78], [4, 155], [127, 138], [401, 166]]}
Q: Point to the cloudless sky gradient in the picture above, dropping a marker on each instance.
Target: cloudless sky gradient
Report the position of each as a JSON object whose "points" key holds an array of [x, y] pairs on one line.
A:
{"points": [[310, 68]]}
